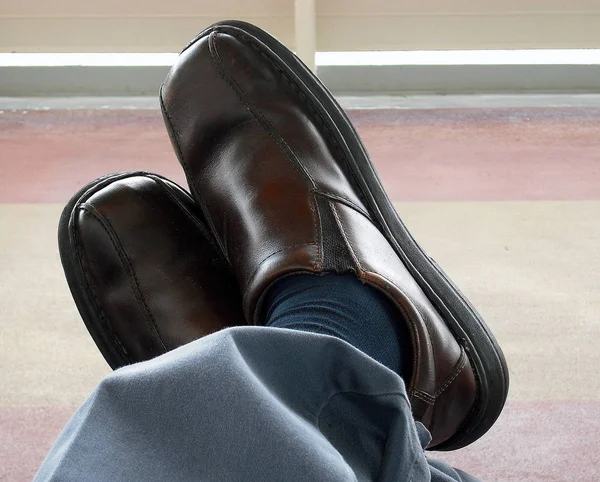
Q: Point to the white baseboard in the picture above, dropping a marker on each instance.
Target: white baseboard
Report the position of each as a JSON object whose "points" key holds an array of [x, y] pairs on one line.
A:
{"points": [[140, 80], [461, 79]]}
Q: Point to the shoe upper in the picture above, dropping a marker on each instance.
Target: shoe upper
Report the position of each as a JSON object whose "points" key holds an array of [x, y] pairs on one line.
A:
{"points": [[270, 177], [155, 275]]}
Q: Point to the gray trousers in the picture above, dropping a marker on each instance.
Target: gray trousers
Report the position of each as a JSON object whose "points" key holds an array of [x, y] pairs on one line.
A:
{"points": [[248, 404]]}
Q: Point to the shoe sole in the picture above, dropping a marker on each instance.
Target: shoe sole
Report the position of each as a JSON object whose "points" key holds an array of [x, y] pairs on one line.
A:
{"points": [[89, 308], [460, 316]]}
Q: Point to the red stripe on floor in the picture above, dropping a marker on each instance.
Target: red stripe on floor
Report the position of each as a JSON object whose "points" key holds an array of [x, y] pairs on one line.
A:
{"points": [[485, 154], [431, 155]]}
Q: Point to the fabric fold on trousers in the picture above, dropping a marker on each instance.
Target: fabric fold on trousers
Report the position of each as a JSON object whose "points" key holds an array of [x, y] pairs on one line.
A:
{"points": [[248, 404]]}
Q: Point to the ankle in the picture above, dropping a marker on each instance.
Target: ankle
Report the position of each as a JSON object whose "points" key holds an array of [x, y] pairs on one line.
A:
{"points": [[341, 305]]}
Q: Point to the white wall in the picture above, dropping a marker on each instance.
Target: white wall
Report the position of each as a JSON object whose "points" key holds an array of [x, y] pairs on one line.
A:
{"points": [[342, 25]]}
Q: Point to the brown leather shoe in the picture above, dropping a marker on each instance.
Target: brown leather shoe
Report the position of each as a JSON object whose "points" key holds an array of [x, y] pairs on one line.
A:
{"points": [[287, 187], [142, 268]]}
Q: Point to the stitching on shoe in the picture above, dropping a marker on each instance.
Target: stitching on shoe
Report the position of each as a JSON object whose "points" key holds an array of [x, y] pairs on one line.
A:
{"points": [[462, 362], [256, 112], [273, 134], [120, 250], [345, 201], [241, 35], [107, 325], [423, 396], [338, 150], [346, 240], [307, 102]]}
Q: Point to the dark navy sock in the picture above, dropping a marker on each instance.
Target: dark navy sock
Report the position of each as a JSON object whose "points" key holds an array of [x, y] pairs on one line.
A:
{"points": [[344, 307]]}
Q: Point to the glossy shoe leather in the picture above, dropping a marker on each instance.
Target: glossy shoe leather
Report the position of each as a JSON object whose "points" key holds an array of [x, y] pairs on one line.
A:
{"points": [[144, 272], [286, 187]]}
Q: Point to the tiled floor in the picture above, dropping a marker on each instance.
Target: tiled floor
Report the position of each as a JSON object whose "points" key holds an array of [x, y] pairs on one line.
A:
{"points": [[506, 200]]}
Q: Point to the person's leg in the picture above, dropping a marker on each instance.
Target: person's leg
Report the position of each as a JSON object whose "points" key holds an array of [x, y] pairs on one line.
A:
{"points": [[340, 305], [248, 403], [253, 403]]}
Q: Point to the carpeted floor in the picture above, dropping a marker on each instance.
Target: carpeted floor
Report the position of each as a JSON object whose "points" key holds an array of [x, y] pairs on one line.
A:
{"points": [[506, 200]]}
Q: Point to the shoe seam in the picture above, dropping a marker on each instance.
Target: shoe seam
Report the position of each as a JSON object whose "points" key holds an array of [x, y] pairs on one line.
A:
{"points": [[460, 365], [345, 201], [241, 35], [423, 396], [107, 325], [127, 264], [270, 130], [355, 259], [308, 103], [458, 368], [258, 114]]}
